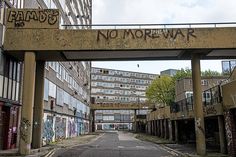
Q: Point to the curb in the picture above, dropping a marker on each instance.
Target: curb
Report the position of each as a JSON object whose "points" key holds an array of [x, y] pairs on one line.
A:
{"points": [[173, 151], [50, 153]]}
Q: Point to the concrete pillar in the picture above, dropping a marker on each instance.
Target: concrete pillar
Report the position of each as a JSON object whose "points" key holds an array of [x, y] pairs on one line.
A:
{"points": [[222, 137], [155, 127], [170, 130], [152, 127], [161, 126], [198, 107], [27, 103], [166, 129], [158, 128], [135, 120], [176, 132], [38, 105], [92, 121]]}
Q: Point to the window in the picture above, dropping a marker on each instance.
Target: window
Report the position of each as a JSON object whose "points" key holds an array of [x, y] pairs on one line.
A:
{"points": [[204, 82], [46, 89]]}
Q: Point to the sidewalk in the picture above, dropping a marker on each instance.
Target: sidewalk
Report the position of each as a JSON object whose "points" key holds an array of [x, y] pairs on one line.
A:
{"points": [[184, 150], [46, 150]]}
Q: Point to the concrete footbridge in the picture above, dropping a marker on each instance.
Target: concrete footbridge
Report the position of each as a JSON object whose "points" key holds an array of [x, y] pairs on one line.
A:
{"points": [[34, 36]]}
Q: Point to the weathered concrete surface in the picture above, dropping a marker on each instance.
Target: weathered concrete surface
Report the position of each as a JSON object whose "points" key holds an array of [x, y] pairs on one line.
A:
{"points": [[55, 44], [229, 94]]}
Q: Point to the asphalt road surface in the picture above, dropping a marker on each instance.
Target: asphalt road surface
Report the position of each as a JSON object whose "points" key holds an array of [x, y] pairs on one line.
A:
{"points": [[114, 144]]}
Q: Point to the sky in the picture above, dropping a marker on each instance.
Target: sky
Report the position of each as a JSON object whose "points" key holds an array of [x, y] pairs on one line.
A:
{"points": [[159, 12]]}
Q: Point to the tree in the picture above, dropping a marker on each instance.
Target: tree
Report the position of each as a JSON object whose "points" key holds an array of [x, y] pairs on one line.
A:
{"points": [[188, 73], [161, 90], [210, 73], [182, 73]]}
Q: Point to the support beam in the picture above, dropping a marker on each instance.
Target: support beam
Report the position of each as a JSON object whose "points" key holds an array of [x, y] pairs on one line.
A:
{"points": [[198, 107], [170, 130], [135, 120], [27, 103], [222, 135], [92, 127], [158, 128], [38, 105], [176, 132], [161, 126]]}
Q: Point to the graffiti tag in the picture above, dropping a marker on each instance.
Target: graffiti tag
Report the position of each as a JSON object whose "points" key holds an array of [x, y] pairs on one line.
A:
{"points": [[21, 17], [24, 128], [210, 110], [146, 34]]}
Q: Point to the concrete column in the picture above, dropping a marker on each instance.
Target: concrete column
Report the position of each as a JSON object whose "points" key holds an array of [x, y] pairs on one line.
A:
{"points": [[149, 127], [135, 120], [92, 121], [27, 103], [152, 127], [176, 132], [222, 137], [166, 129], [161, 126], [158, 128], [170, 130], [38, 105], [198, 107]]}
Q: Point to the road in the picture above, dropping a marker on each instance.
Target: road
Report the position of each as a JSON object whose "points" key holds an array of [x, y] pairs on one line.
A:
{"points": [[114, 144]]}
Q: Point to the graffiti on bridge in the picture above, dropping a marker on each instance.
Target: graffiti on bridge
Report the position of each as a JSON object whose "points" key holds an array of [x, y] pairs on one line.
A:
{"points": [[146, 34], [21, 17]]}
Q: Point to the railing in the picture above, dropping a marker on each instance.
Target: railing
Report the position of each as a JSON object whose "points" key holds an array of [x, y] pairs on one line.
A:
{"points": [[210, 97], [152, 26]]}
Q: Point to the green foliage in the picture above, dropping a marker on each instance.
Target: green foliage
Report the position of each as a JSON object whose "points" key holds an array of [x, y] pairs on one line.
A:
{"points": [[210, 73], [161, 90], [182, 74]]}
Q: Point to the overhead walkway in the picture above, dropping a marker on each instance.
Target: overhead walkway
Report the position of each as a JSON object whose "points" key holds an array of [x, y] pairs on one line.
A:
{"points": [[34, 37]]}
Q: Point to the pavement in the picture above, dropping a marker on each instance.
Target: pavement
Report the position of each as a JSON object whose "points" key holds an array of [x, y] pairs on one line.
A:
{"points": [[115, 144], [185, 150], [47, 150]]}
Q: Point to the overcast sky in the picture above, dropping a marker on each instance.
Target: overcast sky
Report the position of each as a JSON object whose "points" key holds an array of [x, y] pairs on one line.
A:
{"points": [[159, 12]]}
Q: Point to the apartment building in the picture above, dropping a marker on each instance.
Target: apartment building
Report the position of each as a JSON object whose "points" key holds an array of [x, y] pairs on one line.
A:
{"points": [[109, 86], [10, 87], [184, 87], [66, 85]]}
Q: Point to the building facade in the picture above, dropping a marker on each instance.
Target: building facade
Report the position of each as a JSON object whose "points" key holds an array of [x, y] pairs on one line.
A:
{"points": [[10, 87], [66, 84], [169, 72], [176, 122], [109, 86], [184, 87]]}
